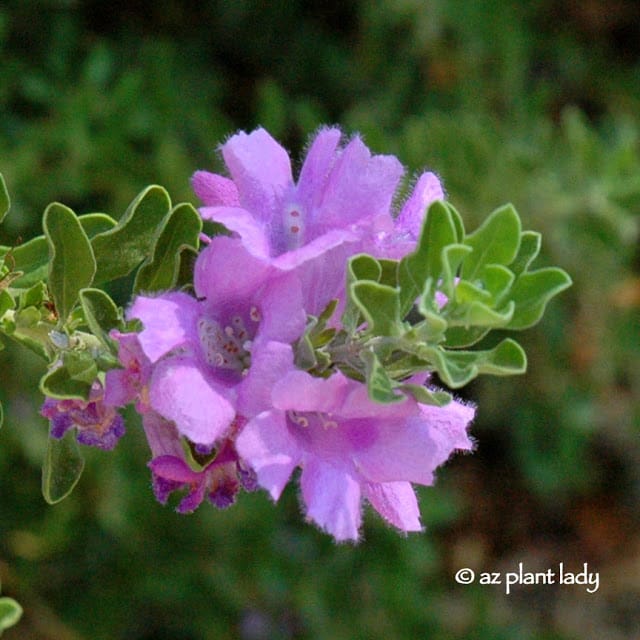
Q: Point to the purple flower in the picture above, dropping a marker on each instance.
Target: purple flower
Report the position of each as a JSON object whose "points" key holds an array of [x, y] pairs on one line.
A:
{"points": [[97, 424], [219, 479], [350, 449], [209, 356], [339, 206]]}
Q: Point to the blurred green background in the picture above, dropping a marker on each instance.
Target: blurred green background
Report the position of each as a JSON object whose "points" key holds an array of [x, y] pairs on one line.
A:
{"points": [[534, 103]]}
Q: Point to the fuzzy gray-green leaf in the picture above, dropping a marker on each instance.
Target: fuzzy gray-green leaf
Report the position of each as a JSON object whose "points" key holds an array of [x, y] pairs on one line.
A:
{"points": [[380, 386], [101, 313], [531, 293], [121, 249], [63, 466], [72, 264], [496, 241], [181, 230]]}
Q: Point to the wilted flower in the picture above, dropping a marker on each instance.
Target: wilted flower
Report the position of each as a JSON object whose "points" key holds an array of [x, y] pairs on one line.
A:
{"points": [[218, 478], [97, 424]]}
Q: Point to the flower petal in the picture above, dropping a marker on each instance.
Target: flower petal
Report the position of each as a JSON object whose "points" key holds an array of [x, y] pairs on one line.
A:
{"points": [[162, 437], [395, 502], [215, 190], [240, 221], [320, 266], [332, 497], [449, 425], [281, 306], [269, 363], [169, 321], [427, 190], [261, 170], [226, 271], [181, 392], [396, 450], [412, 448], [316, 167], [299, 391], [118, 390], [174, 469], [359, 186], [267, 447]]}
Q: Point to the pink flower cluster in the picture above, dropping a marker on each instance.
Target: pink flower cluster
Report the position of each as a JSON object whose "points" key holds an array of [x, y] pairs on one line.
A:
{"points": [[213, 375]]}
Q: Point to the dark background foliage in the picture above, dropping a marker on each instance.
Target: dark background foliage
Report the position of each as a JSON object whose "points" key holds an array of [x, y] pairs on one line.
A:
{"points": [[534, 103]]}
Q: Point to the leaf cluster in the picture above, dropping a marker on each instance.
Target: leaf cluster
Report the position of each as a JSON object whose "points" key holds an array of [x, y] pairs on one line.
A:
{"points": [[52, 299], [425, 312]]}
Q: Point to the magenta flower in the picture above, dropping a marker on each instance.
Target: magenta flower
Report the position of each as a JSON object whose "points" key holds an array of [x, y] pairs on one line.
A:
{"points": [[350, 449], [339, 206], [97, 424], [209, 356]]}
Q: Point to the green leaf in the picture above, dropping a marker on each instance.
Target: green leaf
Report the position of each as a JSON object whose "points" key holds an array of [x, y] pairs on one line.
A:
{"points": [[188, 259], [95, 223], [121, 249], [359, 267], [461, 336], [496, 241], [101, 314], [506, 359], [10, 613], [32, 257], [425, 395], [80, 366], [6, 302], [530, 243], [471, 307], [497, 280], [388, 271], [457, 368], [465, 292], [1, 415], [531, 293], [364, 267], [431, 330], [5, 201], [326, 314], [456, 218], [59, 384], [181, 230], [380, 386], [305, 354], [27, 328], [439, 231], [452, 257], [478, 314], [72, 265], [380, 306], [34, 296], [63, 466]]}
